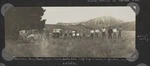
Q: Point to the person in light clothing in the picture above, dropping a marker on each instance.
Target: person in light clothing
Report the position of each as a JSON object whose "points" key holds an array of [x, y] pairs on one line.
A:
{"points": [[97, 33], [103, 33], [78, 35], [73, 34], [114, 33], [92, 33]]}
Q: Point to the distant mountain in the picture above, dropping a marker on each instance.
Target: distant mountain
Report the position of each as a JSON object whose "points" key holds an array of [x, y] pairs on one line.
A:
{"points": [[95, 23], [100, 22]]}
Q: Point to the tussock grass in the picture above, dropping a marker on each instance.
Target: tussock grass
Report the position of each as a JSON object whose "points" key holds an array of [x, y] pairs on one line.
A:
{"points": [[87, 47]]}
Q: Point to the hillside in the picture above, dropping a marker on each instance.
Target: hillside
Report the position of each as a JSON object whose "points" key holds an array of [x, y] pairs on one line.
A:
{"points": [[128, 26], [100, 22]]}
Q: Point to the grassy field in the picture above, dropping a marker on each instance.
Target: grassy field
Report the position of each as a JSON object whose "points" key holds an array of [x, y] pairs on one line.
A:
{"points": [[97, 47]]}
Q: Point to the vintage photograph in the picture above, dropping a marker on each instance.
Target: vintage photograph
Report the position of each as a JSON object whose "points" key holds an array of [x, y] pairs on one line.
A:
{"points": [[105, 32]]}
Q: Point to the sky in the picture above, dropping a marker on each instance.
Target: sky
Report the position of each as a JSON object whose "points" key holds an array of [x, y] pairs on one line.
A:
{"points": [[54, 15]]}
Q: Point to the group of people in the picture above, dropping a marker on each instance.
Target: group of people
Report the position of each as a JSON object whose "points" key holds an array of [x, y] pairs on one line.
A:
{"points": [[110, 32]]}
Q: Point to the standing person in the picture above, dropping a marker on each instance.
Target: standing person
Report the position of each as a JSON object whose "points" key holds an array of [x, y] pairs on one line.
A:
{"points": [[66, 34], [97, 32], [92, 33], [78, 35], [81, 35], [114, 33], [70, 33], [120, 31], [84, 33], [110, 33], [103, 33], [73, 34], [60, 33]]}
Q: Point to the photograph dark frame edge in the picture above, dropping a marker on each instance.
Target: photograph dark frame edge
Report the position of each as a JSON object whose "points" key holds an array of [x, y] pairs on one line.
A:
{"points": [[141, 21]]}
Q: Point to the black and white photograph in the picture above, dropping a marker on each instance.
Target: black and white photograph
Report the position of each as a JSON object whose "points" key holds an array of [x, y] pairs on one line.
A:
{"points": [[100, 31]]}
